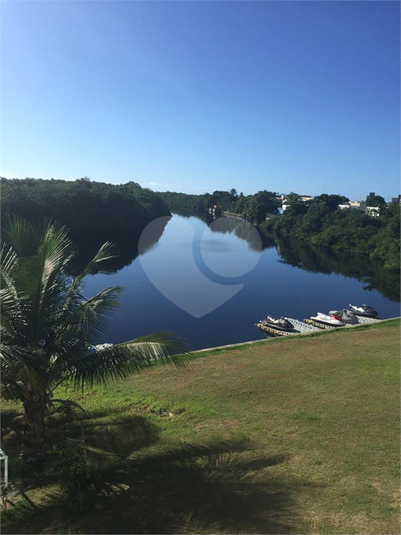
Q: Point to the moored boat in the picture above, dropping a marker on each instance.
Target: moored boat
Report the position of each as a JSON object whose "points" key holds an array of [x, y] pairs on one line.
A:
{"points": [[348, 316], [363, 310], [277, 323], [329, 319]]}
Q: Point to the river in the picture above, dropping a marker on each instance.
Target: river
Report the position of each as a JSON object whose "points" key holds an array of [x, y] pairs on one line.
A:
{"points": [[210, 284]]}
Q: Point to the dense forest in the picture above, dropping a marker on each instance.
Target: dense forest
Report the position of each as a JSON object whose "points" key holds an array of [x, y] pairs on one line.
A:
{"points": [[254, 208], [318, 222], [93, 211], [321, 223], [85, 207]]}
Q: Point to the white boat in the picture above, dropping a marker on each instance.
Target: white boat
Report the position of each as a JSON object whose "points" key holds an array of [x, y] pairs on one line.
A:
{"points": [[331, 319], [363, 310]]}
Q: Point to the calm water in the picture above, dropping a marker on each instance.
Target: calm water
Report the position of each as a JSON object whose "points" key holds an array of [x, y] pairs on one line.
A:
{"points": [[199, 267]]}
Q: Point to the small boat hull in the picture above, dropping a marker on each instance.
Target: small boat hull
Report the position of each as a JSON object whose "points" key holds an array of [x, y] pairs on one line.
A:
{"points": [[329, 320], [281, 324], [364, 310], [348, 316]]}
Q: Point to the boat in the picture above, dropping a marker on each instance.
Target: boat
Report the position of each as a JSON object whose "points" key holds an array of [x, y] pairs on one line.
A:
{"points": [[348, 316], [99, 347], [363, 310], [329, 319], [277, 323]]}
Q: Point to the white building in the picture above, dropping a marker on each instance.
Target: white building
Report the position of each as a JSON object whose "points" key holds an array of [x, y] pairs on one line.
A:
{"points": [[374, 211], [305, 198], [356, 205]]}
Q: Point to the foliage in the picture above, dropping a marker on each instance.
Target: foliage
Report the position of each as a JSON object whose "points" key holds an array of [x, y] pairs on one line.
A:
{"points": [[252, 207], [375, 200], [87, 208], [321, 223], [183, 203], [48, 327]]}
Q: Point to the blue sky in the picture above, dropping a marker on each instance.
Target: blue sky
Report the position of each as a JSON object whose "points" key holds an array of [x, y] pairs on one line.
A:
{"points": [[196, 96]]}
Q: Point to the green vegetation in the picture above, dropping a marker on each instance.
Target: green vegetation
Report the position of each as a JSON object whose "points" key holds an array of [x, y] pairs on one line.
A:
{"points": [[320, 222], [184, 204], [88, 209], [297, 435], [254, 208], [48, 327]]}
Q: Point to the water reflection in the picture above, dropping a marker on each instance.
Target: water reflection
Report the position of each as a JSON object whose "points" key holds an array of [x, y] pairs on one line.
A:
{"points": [[320, 260], [243, 230], [298, 254], [126, 246]]}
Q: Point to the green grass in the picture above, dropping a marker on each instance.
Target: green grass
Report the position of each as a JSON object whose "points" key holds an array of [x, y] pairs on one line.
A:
{"points": [[295, 435]]}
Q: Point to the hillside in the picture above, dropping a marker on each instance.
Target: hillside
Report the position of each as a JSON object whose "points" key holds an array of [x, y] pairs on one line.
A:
{"points": [[299, 435]]}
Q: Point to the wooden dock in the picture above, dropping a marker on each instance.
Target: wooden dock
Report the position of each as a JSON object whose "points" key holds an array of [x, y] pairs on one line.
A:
{"points": [[309, 326]]}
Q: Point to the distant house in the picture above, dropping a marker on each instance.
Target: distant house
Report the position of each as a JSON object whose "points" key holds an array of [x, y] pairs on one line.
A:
{"points": [[305, 198], [356, 205], [373, 211]]}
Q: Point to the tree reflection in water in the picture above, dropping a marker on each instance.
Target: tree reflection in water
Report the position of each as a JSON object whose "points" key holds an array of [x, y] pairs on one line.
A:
{"points": [[298, 254], [360, 267], [243, 230], [126, 246]]}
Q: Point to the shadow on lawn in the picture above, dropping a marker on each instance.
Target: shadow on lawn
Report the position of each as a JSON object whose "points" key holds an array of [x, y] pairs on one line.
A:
{"points": [[206, 488], [192, 488], [114, 438]]}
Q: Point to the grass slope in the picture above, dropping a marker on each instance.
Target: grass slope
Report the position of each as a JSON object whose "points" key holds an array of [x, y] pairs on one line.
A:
{"points": [[298, 435]]}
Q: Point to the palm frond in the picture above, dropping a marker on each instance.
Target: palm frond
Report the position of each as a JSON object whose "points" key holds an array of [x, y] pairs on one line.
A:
{"points": [[120, 360], [21, 368], [12, 356], [107, 251], [8, 261], [86, 318], [20, 234], [13, 320]]}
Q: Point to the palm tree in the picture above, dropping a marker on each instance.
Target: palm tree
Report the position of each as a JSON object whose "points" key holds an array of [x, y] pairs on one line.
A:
{"points": [[48, 326]]}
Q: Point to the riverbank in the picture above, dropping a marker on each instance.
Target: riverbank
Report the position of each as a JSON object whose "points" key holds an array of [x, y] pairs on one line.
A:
{"points": [[314, 333], [294, 435]]}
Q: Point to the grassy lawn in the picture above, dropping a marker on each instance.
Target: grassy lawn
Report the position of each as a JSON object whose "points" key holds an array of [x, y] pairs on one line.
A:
{"points": [[296, 435]]}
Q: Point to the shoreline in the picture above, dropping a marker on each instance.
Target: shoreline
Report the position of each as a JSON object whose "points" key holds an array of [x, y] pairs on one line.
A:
{"points": [[264, 340]]}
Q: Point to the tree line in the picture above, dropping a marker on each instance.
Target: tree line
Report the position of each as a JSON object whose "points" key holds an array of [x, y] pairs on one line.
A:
{"points": [[254, 208], [321, 223], [318, 221], [87, 208]]}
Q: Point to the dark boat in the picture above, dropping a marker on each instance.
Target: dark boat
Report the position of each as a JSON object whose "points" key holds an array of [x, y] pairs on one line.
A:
{"points": [[363, 310], [278, 323]]}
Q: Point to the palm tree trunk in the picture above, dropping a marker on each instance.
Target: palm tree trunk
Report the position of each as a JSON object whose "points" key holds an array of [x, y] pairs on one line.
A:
{"points": [[35, 439]]}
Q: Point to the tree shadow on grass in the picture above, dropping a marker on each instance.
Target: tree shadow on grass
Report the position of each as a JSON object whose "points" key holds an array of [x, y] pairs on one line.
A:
{"points": [[220, 487], [121, 437], [106, 441]]}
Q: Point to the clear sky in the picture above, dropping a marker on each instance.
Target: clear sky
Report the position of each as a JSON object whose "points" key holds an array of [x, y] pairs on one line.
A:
{"points": [[195, 96]]}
